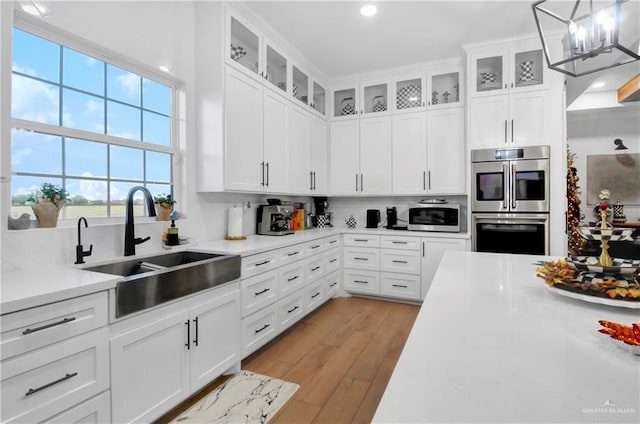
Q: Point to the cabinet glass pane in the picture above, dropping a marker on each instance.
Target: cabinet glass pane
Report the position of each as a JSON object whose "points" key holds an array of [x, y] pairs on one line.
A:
{"points": [[409, 93], [489, 73], [375, 98], [528, 68], [445, 88], [300, 85], [344, 102], [318, 97], [244, 46], [276, 69]]}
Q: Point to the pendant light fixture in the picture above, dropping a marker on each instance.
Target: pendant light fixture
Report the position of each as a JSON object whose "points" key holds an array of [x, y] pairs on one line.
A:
{"points": [[595, 35]]}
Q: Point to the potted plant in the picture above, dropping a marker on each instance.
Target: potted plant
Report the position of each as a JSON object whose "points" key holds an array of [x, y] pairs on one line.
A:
{"points": [[46, 203], [164, 205]]}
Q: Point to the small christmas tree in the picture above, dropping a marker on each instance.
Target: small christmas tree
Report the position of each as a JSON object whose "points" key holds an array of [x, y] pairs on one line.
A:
{"points": [[575, 241]]}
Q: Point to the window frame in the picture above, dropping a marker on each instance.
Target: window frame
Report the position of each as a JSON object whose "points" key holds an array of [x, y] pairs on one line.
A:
{"points": [[36, 27]]}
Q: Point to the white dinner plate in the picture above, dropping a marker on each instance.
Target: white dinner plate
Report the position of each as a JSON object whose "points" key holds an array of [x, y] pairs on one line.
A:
{"points": [[595, 299]]}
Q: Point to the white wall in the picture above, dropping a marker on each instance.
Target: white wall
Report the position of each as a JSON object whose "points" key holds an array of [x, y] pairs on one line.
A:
{"points": [[592, 133]]}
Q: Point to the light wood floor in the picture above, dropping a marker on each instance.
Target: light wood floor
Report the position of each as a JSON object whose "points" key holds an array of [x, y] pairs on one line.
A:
{"points": [[342, 356]]}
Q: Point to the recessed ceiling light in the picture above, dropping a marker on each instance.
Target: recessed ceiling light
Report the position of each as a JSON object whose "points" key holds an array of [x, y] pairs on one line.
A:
{"points": [[164, 68], [368, 10], [598, 85]]}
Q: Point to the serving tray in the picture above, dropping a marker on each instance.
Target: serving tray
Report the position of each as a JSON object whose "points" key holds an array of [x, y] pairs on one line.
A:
{"points": [[632, 304]]}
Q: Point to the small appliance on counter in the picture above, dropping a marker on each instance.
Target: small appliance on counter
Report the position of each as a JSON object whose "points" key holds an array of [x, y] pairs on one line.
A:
{"points": [[373, 218], [322, 218], [273, 219], [434, 216], [392, 217]]}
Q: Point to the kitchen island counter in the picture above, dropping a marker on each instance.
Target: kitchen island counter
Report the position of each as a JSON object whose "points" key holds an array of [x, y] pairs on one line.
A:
{"points": [[492, 344]]}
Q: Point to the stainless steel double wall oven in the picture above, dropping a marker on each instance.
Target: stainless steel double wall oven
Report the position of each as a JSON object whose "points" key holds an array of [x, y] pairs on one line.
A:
{"points": [[510, 200]]}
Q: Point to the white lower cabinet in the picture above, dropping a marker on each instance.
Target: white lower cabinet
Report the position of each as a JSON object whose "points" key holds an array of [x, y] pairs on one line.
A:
{"points": [[55, 362], [290, 310], [432, 251], [258, 329], [93, 411], [332, 284], [159, 359], [404, 286], [313, 296], [359, 281]]}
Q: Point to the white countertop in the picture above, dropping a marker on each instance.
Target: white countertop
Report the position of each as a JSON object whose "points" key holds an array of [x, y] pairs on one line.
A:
{"points": [[492, 344]]}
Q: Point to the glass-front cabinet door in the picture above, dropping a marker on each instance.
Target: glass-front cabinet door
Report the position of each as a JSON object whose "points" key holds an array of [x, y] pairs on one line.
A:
{"points": [[319, 98], [409, 94], [345, 102], [276, 71], [489, 76], [527, 69], [244, 47], [300, 88], [374, 98], [445, 88]]}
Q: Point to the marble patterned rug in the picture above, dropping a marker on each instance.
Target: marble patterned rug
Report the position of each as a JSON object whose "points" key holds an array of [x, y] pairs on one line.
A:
{"points": [[245, 398]]}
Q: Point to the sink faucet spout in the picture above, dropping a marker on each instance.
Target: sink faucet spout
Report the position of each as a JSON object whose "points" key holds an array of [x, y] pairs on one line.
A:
{"points": [[130, 239]]}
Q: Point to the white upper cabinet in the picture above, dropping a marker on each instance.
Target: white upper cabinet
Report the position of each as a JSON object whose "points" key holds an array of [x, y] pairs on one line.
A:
{"points": [[446, 153], [346, 104], [244, 47], [319, 99], [409, 93], [300, 88], [374, 98], [444, 88], [276, 69], [409, 156], [507, 68]]}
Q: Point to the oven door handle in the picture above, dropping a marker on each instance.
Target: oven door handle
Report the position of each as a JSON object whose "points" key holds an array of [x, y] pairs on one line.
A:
{"points": [[513, 187], [505, 173]]}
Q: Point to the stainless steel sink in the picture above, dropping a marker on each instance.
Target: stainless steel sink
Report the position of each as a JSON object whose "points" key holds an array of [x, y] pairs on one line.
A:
{"points": [[157, 279]]}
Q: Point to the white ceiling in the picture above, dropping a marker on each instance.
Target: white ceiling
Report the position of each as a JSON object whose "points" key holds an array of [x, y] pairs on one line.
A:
{"points": [[337, 39]]}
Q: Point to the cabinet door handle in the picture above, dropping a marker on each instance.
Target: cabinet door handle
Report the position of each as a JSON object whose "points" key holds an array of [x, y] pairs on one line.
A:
{"points": [[512, 130], [400, 285], [261, 292], [262, 181], [291, 310], [44, 327], [267, 183], [429, 180], [264, 327], [262, 263], [188, 343], [310, 180], [505, 129], [314, 181], [315, 268], [356, 182], [423, 249], [361, 185], [424, 180], [53, 383], [293, 278], [195, 340], [399, 262], [313, 296], [360, 281]]}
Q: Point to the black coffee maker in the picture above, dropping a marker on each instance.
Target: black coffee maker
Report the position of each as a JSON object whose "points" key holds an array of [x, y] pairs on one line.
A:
{"points": [[321, 204], [392, 217]]}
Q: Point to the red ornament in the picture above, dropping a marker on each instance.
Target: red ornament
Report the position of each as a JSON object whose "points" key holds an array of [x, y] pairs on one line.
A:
{"points": [[604, 205]]}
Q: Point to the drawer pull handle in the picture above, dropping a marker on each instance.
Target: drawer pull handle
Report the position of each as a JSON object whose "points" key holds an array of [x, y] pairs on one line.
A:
{"points": [[293, 253], [361, 281], [315, 295], [361, 240], [60, 380], [399, 262], [399, 285], [262, 291], [400, 242], [293, 278], [333, 260], [291, 310], [262, 263], [315, 247], [44, 327], [333, 241], [333, 284], [261, 329], [361, 259]]}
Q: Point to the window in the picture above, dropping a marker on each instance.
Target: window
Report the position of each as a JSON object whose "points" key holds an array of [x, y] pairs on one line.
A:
{"points": [[94, 127]]}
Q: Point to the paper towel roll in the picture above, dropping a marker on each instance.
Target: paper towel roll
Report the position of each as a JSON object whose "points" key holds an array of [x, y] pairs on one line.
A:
{"points": [[234, 225]]}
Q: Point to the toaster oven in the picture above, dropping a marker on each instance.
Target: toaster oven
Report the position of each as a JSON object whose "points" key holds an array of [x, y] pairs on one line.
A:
{"points": [[434, 217]]}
